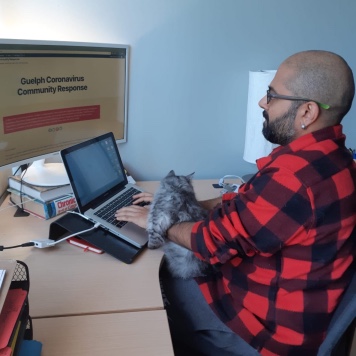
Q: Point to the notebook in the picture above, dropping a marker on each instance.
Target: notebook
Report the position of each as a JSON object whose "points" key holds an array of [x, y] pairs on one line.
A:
{"points": [[99, 182]]}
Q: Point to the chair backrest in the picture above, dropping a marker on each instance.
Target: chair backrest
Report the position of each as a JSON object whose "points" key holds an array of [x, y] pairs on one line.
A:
{"points": [[340, 333]]}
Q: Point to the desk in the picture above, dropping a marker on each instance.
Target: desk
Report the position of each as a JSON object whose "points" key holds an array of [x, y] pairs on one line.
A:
{"points": [[71, 287], [141, 333]]}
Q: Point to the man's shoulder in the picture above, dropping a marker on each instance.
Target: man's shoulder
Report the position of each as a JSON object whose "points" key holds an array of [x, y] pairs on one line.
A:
{"points": [[314, 164]]}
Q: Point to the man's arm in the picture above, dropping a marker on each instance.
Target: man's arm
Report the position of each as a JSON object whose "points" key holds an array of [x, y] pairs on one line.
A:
{"points": [[181, 234], [210, 203]]}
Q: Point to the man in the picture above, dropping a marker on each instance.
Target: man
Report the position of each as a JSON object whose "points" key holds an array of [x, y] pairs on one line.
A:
{"points": [[283, 243]]}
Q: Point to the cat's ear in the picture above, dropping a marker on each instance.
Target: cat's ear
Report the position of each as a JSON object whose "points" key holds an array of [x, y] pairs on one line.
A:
{"points": [[171, 173], [190, 176]]}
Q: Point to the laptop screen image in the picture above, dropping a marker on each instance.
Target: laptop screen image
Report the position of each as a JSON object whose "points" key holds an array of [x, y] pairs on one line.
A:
{"points": [[94, 168]]}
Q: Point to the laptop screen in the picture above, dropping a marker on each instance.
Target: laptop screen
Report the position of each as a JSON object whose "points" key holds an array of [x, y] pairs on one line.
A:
{"points": [[94, 168]]}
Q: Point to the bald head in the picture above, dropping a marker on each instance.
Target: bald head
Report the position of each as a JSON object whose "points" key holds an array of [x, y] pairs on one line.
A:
{"points": [[322, 76]]}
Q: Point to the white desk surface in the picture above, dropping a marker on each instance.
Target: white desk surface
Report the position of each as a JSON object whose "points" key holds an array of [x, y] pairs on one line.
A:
{"points": [[64, 280], [128, 334], [84, 303]]}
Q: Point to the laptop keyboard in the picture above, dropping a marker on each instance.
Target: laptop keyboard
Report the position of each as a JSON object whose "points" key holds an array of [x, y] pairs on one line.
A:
{"points": [[107, 212]]}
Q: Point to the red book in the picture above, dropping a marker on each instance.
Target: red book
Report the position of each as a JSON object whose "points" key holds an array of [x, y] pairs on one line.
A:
{"points": [[86, 246], [10, 313]]}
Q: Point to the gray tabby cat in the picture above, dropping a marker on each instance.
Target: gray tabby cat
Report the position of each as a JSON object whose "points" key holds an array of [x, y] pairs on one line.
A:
{"points": [[175, 202]]}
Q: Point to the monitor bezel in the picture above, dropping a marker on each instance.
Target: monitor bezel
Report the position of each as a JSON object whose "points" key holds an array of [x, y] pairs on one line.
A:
{"points": [[55, 155]]}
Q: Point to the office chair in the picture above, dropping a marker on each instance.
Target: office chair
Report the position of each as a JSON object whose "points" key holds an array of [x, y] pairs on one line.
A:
{"points": [[340, 333]]}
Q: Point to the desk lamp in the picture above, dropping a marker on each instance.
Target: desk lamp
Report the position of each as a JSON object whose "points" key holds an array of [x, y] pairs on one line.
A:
{"points": [[256, 146], [45, 174]]}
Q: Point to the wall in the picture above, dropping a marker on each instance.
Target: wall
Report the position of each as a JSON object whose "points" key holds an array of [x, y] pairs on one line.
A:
{"points": [[189, 66]]}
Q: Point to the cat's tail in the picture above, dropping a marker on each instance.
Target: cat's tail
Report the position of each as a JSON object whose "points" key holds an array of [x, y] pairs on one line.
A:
{"points": [[182, 263]]}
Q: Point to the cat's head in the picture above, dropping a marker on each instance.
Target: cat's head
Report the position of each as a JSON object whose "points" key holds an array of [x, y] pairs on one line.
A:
{"points": [[181, 182]]}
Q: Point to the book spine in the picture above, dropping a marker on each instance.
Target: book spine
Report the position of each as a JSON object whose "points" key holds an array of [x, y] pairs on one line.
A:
{"points": [[59, 206]]}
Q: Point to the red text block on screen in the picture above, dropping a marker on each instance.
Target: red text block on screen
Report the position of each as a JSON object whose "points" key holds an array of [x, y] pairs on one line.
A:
{"points": [[34, 120]]}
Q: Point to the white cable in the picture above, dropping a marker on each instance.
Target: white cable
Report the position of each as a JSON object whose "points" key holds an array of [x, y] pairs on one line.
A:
{"points": [[75, 212], [49, 243], [221, 181], [77, 233], [11, 204], [227, 187]]}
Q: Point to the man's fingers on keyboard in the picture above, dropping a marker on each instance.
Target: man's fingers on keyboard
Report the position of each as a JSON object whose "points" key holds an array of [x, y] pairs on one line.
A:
{"points": [[133, 213], [142, 197], [128, 211]]}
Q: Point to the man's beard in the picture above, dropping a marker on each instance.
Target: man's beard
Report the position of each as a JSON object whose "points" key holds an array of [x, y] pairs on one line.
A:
{"points": [[281, 131]]}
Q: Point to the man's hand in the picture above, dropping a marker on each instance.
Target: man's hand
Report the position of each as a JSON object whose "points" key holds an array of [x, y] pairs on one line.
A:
{"points": [[135, 213], [142, 197]]}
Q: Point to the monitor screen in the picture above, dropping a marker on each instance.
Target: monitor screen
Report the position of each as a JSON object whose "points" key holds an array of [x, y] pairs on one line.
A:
{"points": [[56, 94]]}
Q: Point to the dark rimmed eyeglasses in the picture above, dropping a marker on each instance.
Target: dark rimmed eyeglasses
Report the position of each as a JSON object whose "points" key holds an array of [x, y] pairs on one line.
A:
{"points": [[293, 98]]}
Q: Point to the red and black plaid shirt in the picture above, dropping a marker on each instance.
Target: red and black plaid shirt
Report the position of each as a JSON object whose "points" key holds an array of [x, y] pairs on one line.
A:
{"points": [[284, 245]]}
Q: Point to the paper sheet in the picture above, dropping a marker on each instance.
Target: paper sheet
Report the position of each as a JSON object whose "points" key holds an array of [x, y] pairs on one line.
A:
{"points": [[2, 276]]}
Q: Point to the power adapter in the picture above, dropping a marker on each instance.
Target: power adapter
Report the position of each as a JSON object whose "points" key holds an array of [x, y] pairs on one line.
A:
{"points": [[43, 243]]}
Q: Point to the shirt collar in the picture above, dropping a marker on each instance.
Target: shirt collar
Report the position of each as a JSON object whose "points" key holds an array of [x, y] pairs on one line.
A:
{"points": [[327, 133]]}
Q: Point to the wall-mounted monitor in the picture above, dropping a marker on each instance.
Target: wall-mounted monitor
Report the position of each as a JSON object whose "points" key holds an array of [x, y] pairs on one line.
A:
{"points": [[56, 94]]}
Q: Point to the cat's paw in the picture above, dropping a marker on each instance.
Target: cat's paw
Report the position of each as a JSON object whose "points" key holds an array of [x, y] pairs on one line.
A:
{"points": [[153, 245], [154, 240]]}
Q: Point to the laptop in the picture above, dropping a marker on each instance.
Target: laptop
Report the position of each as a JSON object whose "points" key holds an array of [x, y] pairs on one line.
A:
{"points": [[100, 186]]}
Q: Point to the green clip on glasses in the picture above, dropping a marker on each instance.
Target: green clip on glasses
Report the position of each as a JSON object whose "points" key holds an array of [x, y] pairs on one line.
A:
{"points": [[286, 97]]}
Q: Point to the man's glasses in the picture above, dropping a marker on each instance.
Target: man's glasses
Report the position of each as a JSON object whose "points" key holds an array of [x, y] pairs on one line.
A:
{"points": [[293, 98]]}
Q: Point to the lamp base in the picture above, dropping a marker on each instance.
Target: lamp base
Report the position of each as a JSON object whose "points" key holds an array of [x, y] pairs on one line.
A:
{"points": [[45, 174]]}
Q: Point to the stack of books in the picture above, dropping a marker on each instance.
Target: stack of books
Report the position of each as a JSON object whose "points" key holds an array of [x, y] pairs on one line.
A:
{"points": [[44, 202]]}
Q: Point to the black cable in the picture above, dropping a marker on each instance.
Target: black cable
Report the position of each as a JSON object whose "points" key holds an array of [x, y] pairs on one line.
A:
{"points": [[21, 186], [20, 207], [27, 244], [22, 167]]}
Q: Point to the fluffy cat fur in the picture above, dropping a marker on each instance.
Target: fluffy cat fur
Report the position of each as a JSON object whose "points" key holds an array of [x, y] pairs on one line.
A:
{"points": [[175, 202]]}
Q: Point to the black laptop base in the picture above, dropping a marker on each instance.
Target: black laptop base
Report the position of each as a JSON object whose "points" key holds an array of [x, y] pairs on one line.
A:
{"points": [[101, 238]]}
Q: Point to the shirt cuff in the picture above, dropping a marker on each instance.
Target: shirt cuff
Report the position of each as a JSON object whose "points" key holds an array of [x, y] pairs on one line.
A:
{"points": [[228, 196]]}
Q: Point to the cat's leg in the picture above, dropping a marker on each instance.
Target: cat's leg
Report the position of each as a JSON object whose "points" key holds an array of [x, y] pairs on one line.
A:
{"points": [[157, 227], [155, 239]]}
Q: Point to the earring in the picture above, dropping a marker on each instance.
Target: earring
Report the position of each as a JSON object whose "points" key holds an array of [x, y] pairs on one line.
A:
{"points": [[303, 127]]}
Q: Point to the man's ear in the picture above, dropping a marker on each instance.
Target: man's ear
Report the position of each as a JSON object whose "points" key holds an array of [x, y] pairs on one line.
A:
{"points": [[308, 114]]}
